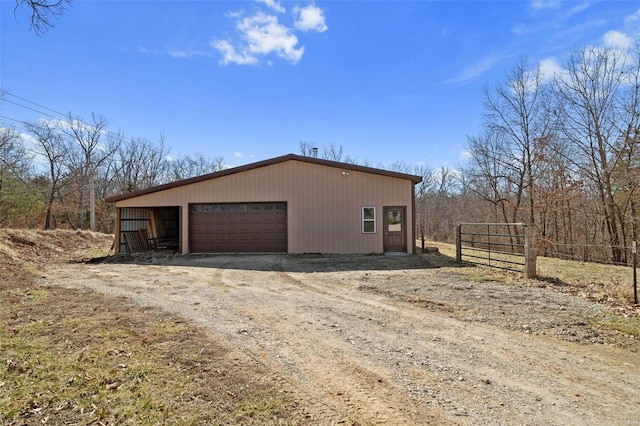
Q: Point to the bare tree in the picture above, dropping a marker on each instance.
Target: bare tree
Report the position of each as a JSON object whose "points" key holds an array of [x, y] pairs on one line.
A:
{"points": [[332, 152], [401, 167], [308, 149], [516, 110], [595, 116], [422, 190], [138, 164], [55, 150], [13, 156], [489, 176], [436, 203], [42, 12], [89, 154], [193, 165], [17, 198]]}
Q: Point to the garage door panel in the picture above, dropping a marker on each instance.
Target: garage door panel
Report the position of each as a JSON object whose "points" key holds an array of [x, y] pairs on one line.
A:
{"points": [[235, 227]]}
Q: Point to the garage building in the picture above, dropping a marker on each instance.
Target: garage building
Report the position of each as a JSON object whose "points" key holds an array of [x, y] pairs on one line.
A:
{"points": [[288, 204]]}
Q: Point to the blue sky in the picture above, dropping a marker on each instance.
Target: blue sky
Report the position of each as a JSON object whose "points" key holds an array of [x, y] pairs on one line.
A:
{"points": [[388, 81]]}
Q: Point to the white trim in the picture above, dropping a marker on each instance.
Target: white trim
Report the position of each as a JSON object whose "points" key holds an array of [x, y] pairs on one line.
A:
{"points": [[374, 220]]}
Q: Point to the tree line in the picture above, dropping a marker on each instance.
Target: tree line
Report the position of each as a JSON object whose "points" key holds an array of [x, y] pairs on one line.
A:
{"points": [[56, 173], [561, 152], [557, 151]]}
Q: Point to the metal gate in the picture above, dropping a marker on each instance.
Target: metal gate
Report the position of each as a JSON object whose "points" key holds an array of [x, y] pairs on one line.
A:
{"points": [[509, 246]]}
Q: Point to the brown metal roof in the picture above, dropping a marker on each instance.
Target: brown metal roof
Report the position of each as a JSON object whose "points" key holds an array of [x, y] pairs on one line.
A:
{"points": [[240, 169]]}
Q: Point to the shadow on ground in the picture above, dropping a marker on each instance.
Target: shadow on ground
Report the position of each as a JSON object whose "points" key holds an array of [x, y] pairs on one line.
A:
{"points": [[287, 262], [556, 282]]}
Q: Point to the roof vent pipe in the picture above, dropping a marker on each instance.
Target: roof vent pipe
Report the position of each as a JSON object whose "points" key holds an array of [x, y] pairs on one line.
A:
{"points": [[314, 152]]}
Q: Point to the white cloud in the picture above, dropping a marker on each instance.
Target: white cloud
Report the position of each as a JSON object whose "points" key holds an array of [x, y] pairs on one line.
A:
{"points": [[466, 154], [545, 4], [238, 154], [550, 68], [260, 35], [264, 34], [147, 51], [310, 18], [633, 18], [520, 29], [174, 53], [477, 69], [234, 14], [274, 5], [231, 56], [576, 9], [617, 40]]}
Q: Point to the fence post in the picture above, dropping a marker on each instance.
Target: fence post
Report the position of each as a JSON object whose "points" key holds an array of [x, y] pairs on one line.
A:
{"points": [[530, 253], [459, 244], [634, 250]]}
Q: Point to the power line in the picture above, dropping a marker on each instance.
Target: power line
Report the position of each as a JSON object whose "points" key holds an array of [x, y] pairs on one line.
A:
{"points": [[64, 118], [26, 107], [35, 103]]}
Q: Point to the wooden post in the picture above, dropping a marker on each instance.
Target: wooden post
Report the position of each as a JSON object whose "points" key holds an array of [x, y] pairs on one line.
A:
{"points": [[634, 249], [459, 244], [116, 231], [530, 253]]}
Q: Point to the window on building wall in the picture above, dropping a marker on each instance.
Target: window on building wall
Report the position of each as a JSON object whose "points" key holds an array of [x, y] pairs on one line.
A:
{"points": [[368, 220]]}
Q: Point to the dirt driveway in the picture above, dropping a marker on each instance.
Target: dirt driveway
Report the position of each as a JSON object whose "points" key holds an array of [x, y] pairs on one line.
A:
{"points": [[388, 340]]}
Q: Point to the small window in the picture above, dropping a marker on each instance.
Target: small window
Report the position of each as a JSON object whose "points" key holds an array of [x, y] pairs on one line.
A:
{"points": [[368, 220], [394, 220]]}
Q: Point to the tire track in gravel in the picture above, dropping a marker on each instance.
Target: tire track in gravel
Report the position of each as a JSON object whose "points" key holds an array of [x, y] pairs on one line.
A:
{"points": [[330, 343], [154, 291], [339, 387], [523, 372]]}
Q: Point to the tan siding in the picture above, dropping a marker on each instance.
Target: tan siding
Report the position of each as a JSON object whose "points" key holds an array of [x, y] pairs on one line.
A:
{"points": [[324, 207]]}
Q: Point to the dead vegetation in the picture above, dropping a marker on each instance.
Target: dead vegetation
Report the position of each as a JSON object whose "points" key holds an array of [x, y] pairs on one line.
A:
{"points": [[76, 356], [607, 284]]}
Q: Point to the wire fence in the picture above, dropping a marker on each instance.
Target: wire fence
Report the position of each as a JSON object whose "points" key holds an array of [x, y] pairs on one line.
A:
{"points": [[514, 246], [597, 253]]}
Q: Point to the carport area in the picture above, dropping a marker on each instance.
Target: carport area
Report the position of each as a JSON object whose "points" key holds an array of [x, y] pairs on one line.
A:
{"points": [[153, 228]]}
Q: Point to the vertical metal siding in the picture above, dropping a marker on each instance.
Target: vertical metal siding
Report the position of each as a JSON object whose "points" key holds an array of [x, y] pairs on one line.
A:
{"points": [[324, 206], [132, 219]]}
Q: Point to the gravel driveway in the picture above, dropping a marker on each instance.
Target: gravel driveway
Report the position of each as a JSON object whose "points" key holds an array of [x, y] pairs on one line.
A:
{"points": [[389, 340]]}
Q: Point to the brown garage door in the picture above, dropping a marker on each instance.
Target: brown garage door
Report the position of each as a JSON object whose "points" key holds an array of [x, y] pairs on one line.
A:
{"points": [[238, 227]]}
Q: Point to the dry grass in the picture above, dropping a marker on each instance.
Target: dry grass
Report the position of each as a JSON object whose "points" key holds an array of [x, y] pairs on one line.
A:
{"points": [[78, 357], [601, 283], [607, 284]]}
